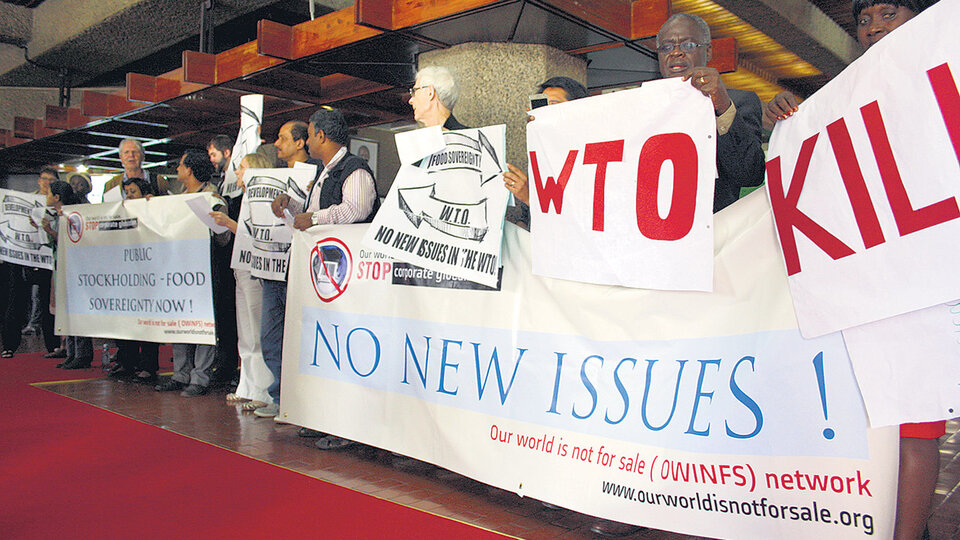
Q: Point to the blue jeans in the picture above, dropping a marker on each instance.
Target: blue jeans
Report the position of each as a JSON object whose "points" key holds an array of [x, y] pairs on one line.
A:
{"points": [[271, 330]]}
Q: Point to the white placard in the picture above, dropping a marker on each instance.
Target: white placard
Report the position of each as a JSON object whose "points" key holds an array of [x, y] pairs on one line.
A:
{"points": [[864, 179], [621, 188], [248, 140], [22, 241], [262, 243], [445, 211]]}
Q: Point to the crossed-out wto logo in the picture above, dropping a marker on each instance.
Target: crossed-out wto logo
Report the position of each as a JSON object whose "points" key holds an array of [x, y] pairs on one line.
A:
{"points": [[74, 227], [330, 267]]}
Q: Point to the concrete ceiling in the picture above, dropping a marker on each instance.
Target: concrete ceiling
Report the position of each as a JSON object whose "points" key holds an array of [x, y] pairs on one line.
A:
{"points": [[782, 44]]}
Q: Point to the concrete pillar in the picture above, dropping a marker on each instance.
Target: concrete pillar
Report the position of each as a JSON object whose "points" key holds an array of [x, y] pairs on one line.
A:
{"points": [[495, 81]]}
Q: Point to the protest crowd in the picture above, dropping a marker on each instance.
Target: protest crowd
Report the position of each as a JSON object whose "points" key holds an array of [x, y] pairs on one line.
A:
{"points": [[249, 311]]}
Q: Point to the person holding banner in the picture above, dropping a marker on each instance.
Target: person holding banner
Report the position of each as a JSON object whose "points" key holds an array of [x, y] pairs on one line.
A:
{"points": [[344, 192], [255, 377], [193, 363], [433, 106], [22, 280], [919, 445], [131, 157], [139, 360], [683, 49], [79, 348]]}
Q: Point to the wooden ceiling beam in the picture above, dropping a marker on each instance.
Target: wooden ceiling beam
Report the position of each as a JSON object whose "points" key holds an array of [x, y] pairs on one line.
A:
{"points": [[101, 104], [398, 14], [65, 117], [311, 37]]}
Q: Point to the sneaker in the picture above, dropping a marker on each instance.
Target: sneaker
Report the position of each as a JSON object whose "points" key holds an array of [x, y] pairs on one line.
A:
{"points": [[270, 411], [169, 386], [194, 390]]}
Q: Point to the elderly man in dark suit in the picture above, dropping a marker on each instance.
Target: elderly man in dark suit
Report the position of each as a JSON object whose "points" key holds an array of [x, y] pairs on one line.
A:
{"points": [[683, 47]]}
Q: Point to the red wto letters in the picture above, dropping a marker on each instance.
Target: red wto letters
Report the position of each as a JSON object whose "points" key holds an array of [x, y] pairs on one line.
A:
{"points": [[678, 148]]}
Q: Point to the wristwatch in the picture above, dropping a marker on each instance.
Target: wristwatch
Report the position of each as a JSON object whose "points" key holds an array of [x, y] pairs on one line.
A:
{"points": [[315, 218]]}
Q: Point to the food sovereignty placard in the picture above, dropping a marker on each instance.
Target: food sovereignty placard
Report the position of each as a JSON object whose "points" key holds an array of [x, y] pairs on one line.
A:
{"points": [[262, 244], [137, 269], [701, 413], [21, 242], [445, 212]]}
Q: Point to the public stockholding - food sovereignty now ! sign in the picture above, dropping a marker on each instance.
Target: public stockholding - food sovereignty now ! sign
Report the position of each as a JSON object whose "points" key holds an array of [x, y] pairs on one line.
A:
{"points": [[621, 188], [695, 412], [262, 244], [137, 269], [21, 241]]}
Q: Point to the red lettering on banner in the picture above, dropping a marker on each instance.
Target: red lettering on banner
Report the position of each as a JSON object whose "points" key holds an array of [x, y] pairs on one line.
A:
{"points": [[552, 190], [863, 210], [600, 154], [680, 149], [788, 217], [948, 99], [908, 220]]}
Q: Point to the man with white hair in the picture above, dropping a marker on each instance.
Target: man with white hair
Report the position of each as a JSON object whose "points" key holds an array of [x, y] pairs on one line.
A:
{"points": [[131, 157], [433, 96]]}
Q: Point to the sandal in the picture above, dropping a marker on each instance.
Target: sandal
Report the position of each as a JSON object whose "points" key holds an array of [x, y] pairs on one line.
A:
{"points": [[235, 398], [252, 405], [6, 354]]}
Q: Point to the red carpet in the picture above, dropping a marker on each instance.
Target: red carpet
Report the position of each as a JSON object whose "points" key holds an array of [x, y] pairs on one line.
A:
{"points": [[66, 470]]}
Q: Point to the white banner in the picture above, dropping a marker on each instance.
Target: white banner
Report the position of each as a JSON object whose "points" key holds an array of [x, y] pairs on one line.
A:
{"points": [[621, 188], [23, 242], [864, 178], [248, 140], [445, 212], [262, 243], [139, 270], [700, 413]]}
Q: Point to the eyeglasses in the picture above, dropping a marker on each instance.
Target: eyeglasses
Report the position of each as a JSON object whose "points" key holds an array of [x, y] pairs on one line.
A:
{"points": [[415, 88], [685, 46]]}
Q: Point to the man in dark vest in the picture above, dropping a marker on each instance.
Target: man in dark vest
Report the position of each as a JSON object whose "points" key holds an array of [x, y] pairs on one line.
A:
{"points": [[343, 192]]}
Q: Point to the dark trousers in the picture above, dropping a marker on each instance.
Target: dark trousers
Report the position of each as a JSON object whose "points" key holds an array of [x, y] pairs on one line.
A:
{"points": [[21, 279], [138, 356]]}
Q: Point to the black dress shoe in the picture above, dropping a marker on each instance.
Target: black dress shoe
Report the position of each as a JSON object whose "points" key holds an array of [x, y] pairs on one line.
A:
{"points": [[145, 377], [77, 364], [169, 386], [308, 433]]}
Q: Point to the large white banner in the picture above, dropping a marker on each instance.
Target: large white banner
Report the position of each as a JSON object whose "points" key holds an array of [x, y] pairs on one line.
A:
{"points": [[262, 243], [21, 240], [137, 269], [700, 413], [248, 140], [621, 188], [445, 212], [864, 178]]}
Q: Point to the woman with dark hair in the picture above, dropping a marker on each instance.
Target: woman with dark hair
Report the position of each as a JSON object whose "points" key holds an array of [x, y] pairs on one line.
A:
{"points": [[79, 349], [919, 445], [138, 188]]}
